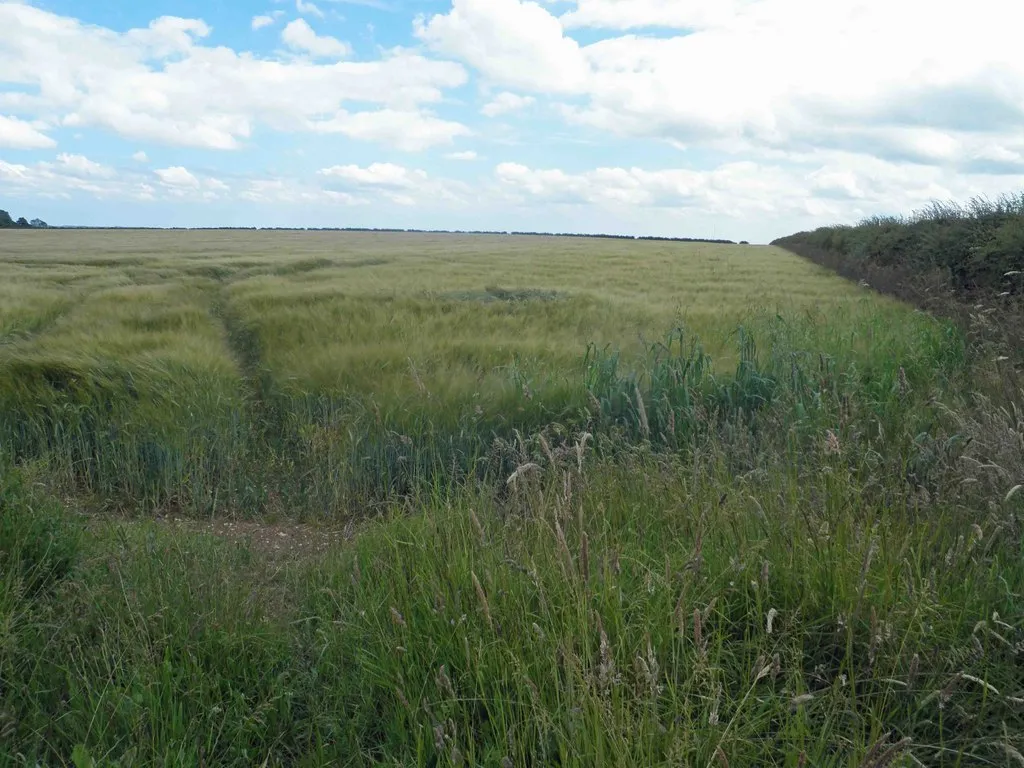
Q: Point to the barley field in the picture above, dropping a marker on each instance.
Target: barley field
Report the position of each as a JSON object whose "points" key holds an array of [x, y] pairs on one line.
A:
{"points": [[322, 498]]}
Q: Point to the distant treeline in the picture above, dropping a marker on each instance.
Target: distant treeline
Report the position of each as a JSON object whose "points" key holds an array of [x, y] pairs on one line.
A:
{"points": [[960, 259], [7, 222], [421, 232]]}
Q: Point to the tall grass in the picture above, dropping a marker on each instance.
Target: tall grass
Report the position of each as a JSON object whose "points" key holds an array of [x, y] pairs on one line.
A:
{"points": [[787, 536], [211, 378], [625, 607]]}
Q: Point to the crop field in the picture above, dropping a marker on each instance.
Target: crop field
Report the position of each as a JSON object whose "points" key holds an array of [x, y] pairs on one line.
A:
{"points": [[321, 498]]}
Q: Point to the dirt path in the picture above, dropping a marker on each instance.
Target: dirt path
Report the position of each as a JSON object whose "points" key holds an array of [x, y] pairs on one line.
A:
{"points": [[283, 541], [292, 541]]}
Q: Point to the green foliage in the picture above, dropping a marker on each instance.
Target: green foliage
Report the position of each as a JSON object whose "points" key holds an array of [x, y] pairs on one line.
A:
{"points": [[6, 222], [39, 544], [975, 246]]}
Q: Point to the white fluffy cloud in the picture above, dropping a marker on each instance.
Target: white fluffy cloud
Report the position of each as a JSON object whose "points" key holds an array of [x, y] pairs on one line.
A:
{"points": [[506, 102], [20, 134], [631, 14], [80, 166], [290, 192], [70, 175], [465, 155], [259, 22], [308, 8], [410, 131], [763, 75], [140, 157], [377, 175], [516, 44], [299, 36], [836, 186], [161, 84], [395, 183], [176, 176]]}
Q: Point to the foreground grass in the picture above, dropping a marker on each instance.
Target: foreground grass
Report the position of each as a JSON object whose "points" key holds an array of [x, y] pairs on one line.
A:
{"points": [[650, 611]]}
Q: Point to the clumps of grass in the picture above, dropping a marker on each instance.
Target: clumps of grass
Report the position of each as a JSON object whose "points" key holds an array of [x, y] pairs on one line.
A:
{"points": [[495, 293], [39, 543], [129, 397], [303, 265], [648, 609]]}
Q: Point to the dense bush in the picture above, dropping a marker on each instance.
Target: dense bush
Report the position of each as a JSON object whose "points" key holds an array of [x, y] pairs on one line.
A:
{"points": [[977, 247], [961, 261]]}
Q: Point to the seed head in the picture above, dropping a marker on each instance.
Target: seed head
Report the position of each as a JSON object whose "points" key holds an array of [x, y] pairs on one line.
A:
{"points": [[482, 597]]}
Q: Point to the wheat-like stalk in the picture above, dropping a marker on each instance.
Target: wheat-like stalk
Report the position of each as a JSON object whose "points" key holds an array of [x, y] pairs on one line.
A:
{"points": [[581, 445], [482, 597], [641, 410], [585, 558], [479, 528], [521, 470]]}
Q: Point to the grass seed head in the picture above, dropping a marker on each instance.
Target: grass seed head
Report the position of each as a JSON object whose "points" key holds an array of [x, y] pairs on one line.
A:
{"points": [[482, 597]]}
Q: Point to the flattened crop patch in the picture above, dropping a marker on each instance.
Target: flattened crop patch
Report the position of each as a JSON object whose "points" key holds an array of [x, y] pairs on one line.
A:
{"points": [[508, 295]]}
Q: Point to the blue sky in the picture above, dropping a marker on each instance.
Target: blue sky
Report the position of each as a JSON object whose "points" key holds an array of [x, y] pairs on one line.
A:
{"points": [[744, 119]]}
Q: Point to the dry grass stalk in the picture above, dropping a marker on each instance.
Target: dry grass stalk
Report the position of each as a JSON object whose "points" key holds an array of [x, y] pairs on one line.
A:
{"points": [[585, 558], [420, 386], [832, 445], [444, 683], [698, 632], [915, 665], [563, 547], [522, 470], [1012, 752], [641, 411], [886, 758], [606, 665], [547, 450], [581, 445], [402, 698], [396, 618], [479, 528], [875, 752], [482, 596], [713, 717], [864, 568]]}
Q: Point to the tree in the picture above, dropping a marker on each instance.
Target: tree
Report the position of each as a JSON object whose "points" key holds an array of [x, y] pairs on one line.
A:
{"points": [[23, 223], [38, 224], [6, 222]]}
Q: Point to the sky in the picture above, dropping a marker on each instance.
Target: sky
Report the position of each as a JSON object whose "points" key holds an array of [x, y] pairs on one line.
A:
{"points": [[737, 119]]}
